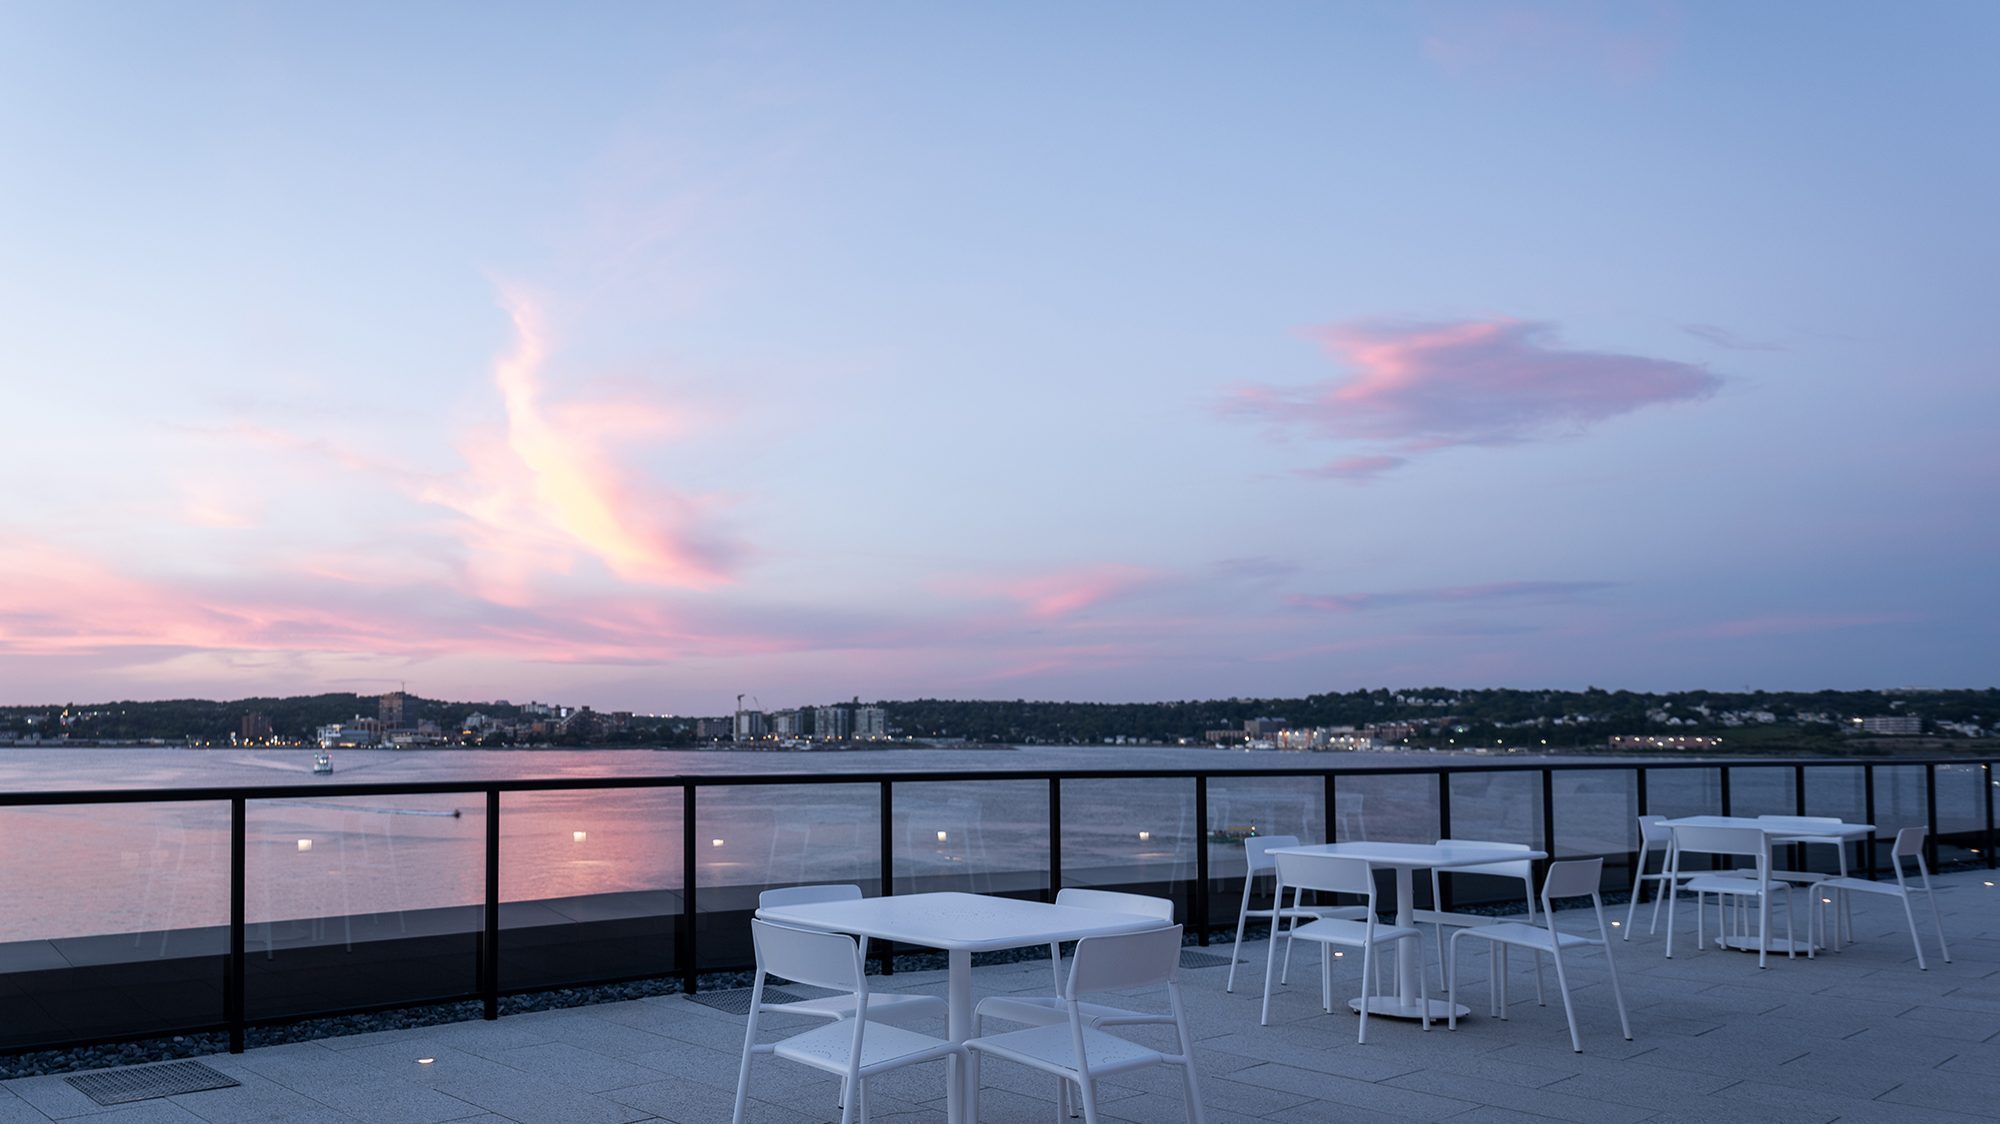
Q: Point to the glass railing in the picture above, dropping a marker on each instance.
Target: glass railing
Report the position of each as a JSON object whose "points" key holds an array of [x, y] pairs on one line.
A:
{"points": [[222, 909]]}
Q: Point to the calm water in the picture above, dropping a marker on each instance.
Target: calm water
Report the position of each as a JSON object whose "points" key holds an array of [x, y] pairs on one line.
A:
{"points": [[133, 868]]}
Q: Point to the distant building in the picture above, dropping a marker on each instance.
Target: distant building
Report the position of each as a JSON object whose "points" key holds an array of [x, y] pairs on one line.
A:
{"points": [[1262, 727], [871, 722], [256, 727], [713, 728], [1893, 724], [389, 708], [750, 725], [1662, 741], [833, 723], [785, 723]]}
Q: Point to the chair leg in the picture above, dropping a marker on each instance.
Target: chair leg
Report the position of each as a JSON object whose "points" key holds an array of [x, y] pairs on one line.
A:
{"points": [[1671, 890], [1326, 978], [1506, 969], [1367, 987], [1937, 919], [1617, 995], [1493, 979], [1569, 1010], [1918, 944], [1270, 969], [1423, 993], [1088, 1089], [1192, 1083], [1242, 918], [1451, 988], [1638, 888]]}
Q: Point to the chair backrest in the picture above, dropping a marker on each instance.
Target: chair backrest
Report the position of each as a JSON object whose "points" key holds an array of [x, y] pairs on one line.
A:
{"points": [[808, 895], [1654, 829], [1571, 878], [1111, 901], [1257, 850], [1909, 841], [1336, 874], [1723, 841], [807, 956], [1124, 960]]}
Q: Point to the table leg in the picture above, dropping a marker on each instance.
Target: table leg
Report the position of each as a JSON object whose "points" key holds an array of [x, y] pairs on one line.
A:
{"points": [[959, 1021]]}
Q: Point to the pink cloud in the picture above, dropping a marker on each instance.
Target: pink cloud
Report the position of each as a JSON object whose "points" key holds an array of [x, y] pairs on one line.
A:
{"points": [[1422, 387], [1055, 595], [1493, 592], [1622, 43]]}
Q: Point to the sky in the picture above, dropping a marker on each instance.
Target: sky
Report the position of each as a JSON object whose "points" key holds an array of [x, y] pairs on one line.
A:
{"points": [[638, 355]]}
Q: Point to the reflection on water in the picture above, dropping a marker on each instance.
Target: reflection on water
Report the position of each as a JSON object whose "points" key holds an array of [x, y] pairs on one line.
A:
{"points": [[68, 871]]}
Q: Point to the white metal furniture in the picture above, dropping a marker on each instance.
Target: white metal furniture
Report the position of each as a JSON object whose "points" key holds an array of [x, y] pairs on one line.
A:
{"points": [[1049, 1010], [1737, 842], [1258, 862], [1573, 878], [890, 1007], [1405, 859], [852, 1049], [1909, 844], [1076, 1050], [1832, 832], [1654, 834], [960, 924], [1520, 869], [1777, 829], [1335, 874]]}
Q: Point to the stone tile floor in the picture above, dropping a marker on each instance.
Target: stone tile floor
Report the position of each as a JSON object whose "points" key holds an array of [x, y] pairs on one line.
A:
{"points": [[1858, 1036]]}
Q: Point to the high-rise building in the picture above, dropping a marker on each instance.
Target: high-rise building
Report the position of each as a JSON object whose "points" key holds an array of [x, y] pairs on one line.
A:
{"points": [[256, 727], [871, 722], [390, 710], [832, 723], [750, 725]]}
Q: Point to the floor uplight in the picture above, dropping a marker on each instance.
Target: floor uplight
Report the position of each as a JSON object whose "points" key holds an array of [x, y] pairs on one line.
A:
{"points": [[425, 1061], [1145, 837], [943, 835], [305, 844], [715, 842], [578, 836]]}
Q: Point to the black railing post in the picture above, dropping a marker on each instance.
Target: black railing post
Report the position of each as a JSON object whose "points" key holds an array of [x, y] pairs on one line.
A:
{"points": [[1868, 799], [887, 845], [1798, 809], [1931, 815], [1199, 906], [489, 943], [233, 987], [1444, 832], [1548, 817], [1728, 799], [690, 947], [1632, 857], [1986, 788], [1055, 838]]}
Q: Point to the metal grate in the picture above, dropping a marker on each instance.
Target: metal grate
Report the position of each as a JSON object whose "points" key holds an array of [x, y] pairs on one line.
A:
{"points": [[145, 1082], [1192, 959], [736, 1000]]}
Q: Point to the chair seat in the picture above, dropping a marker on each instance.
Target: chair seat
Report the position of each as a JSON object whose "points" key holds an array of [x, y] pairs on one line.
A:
{"points": [[1728, 884], [1526, 936], [1348, 912], [882, 1007], [882, 1047], [1351, 933], [1863, 885], [1055, 1047], [1446, 917], [1047, 1010]]}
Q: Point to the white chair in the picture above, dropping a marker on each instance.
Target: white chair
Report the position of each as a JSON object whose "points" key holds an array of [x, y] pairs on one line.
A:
{"points": [[1839, 846], [1258, 862], [852, 1049], [1340, 875], [1909, 844], [1571, 878], [890, 1007], [1077, 1051], [1755, 884], [1437, 918], [1653, 833]]}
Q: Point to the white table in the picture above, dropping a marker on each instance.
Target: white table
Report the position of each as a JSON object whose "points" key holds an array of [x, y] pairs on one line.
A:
{"points": [[960, 924], [1406, 859], [1777, 829]]}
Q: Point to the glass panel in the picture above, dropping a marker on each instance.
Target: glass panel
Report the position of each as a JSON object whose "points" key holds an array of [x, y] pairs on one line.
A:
{"points": [[1679, 792], [1837, 790], [749, 838], [1131, 835], [1394, 808], [1762, 791], [362, 901], [1899, 803], [985, 837], [116, 920], [590, 885], [1597, 813], [1241, 806], [1503, 807], [1961, 795]]}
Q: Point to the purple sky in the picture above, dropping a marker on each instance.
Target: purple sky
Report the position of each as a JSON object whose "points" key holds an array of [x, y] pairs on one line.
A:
{"points": [[639, 355]]}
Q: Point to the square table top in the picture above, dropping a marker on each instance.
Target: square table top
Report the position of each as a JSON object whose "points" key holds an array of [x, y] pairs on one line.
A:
{"points": [[1778, 825], [1415, 855], [971, 922]]}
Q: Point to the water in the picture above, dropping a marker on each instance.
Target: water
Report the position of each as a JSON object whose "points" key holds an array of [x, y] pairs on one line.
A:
{"points": [[68, 871]]}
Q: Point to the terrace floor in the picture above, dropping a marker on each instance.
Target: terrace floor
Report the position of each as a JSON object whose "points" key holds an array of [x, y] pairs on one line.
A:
{"points": [[1857, 1036]]}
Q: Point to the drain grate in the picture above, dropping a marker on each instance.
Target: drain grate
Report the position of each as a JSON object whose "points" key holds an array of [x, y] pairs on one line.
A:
{"points": [[1191, 959], [736, 1000], [145, 1082]]}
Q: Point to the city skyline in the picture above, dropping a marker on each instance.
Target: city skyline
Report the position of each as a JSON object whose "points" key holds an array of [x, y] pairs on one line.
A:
{"points": [[642, 356]]}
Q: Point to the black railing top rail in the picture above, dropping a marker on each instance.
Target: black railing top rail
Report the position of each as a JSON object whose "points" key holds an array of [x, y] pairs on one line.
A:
{"points": [[326, 789]]}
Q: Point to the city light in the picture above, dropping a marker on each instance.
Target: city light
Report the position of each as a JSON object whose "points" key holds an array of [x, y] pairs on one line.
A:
{"points": [[715, 842], [578, 836], [942, 836], [1145, 837], [305, 844]]}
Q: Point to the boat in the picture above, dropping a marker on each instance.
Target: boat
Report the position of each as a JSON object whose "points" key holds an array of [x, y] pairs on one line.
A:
{"points": [[323, 763]]}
